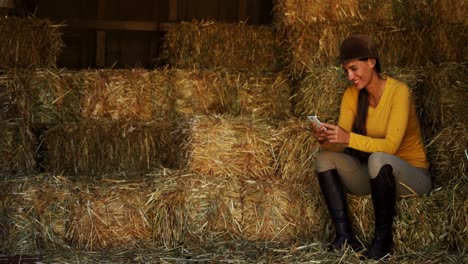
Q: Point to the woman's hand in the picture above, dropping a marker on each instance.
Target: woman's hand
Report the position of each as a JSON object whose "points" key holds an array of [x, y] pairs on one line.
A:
{"points": [[320, 133], [336, 134]]}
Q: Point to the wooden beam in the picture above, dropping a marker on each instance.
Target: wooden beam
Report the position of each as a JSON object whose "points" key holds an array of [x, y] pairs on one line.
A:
{"points": [[98, 24], [242, 10], [101, 37], [173, 8]]}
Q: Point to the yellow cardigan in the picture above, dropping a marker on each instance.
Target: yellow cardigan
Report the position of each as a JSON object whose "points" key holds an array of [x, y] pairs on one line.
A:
{"points": [[391, 127]]}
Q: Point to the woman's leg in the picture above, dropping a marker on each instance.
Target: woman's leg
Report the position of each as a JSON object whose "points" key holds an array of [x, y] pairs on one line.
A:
{"points": [[353, 174], [331, 186], [410, 180], [391, 177]]}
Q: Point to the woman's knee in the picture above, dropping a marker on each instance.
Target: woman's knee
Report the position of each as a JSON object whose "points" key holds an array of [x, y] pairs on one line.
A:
{"points": [[376, 161], [326, 161]]}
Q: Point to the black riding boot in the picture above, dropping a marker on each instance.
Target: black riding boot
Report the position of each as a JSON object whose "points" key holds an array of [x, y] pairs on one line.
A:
{"points": [[383, 198], [330, 185]]}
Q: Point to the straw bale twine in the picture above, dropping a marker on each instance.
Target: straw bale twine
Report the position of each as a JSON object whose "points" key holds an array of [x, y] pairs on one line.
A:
{"points": [[451, 11], [133, 94], [237, 147], [296, 151], [36, 213], [447, 155], [305, 12], [275, 210], [29, 42], [96, 147], [318, 44], [445, 98], [202, 92], [109, 213], [265, 96], [17, 148], [209, 44]]}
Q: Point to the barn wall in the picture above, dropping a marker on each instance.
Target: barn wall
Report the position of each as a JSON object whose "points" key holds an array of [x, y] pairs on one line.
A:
{"points": [[123, 33]]}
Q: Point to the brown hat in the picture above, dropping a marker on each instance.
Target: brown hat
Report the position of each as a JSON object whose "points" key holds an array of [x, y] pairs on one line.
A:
{"points": [[358, 46]]}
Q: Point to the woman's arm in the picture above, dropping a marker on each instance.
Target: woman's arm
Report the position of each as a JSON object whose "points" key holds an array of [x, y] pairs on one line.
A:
{"points": [[396, 128]]}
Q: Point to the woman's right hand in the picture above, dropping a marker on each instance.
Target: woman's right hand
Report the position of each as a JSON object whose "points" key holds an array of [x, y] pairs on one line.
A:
{"points": [[320, 134]]}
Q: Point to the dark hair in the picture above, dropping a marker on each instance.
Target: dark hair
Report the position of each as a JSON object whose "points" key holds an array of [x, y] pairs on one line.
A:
{"points": [[359, 126]]}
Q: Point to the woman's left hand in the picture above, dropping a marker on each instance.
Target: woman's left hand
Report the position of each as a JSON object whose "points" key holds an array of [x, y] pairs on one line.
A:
{"points": [[336, 134]]}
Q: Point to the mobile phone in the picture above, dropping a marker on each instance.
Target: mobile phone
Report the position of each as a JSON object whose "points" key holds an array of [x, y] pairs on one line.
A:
{"points": [[314, 119]]}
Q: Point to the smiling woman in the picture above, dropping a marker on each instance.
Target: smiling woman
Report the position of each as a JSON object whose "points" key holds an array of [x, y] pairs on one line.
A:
{"points": [[379, 143]]}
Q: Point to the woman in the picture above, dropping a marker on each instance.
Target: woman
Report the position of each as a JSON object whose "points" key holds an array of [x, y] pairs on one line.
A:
{"points": [[376, 147]]}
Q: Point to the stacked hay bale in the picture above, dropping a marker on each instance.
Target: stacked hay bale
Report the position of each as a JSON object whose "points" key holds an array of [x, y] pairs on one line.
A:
{"points": [[210, 44], [238, 105], [223, 114], [98, 121], [122, 122], [45, 212], [416, 41], [27, 43]]}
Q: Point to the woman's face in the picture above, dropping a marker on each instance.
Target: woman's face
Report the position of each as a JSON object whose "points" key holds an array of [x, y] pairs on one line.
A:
{"points": [[359, 72]]}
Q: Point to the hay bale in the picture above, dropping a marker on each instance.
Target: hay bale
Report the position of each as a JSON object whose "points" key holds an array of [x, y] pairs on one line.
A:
{"points": [[194, 209], [320, 92], [238, 147], [133, 94], [265, 96], [318, 44], [297, 151], [451, 11], [447, 43], [447, 155], [54, 96], [109, 213], [35, 213], [11, 100], [275, 210], [96, 147], [207, 92], [209, 45], [214, 208], [166, 212], [294, 12], [32, 42], [435, 221], [17, 148], [202, 92], [455, 204], [444, 102], [44, 96], [420, 222], [305, 12]]}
